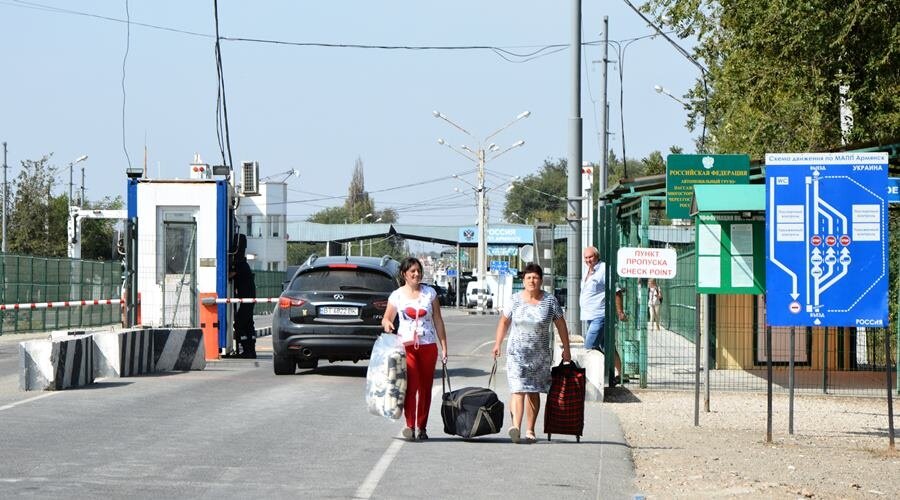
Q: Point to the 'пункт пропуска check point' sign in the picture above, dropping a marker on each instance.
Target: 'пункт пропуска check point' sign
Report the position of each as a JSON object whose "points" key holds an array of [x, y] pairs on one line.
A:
{"points": [[659, 263]]}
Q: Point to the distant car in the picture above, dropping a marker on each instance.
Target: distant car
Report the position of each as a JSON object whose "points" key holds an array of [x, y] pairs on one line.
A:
{"points": [[472, 291], [332, 310]]}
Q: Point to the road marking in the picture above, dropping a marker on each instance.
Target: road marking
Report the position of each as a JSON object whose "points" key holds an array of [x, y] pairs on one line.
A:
{"points": [[368, 485], [17, 403], [483, 344]]}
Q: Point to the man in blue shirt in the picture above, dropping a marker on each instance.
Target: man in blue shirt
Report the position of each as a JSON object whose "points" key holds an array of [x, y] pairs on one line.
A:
{"points": [[593, 305]]}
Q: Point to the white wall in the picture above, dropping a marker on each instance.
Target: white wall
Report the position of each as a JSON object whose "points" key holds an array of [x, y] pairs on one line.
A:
{"points": [[154, 199], [268, 212]]}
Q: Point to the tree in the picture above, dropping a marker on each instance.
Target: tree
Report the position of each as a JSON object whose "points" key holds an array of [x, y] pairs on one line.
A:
{"points": [[540, 196], [37, 221], [780, 72], [355, 208], [654, 163]]}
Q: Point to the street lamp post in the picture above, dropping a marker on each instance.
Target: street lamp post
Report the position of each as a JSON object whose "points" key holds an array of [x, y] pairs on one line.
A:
{"points": [[662, 90], [364, 217], [480, 157], [72, 164], [523, 219]]}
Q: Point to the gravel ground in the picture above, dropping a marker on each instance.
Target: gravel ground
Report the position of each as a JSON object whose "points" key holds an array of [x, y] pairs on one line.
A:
{"points": [[839, 449]]}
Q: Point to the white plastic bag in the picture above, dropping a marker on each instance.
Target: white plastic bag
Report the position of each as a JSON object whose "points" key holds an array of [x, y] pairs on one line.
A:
{"points": [[386, 377]]}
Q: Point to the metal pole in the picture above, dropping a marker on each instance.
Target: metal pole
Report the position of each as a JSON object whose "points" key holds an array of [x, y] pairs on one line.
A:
{"points": [[458, 272], [604, 123], [887, 374], [573, 215], [697, 361], [81, 200], [71, 165], [825, 361], [768, 384], [791, 386], [707, 350], [5, 194], [482, 234]]}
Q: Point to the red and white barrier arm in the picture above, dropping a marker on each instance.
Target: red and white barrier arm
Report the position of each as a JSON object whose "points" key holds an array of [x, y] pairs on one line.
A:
{"points": [[210, 301], [64, 303]]}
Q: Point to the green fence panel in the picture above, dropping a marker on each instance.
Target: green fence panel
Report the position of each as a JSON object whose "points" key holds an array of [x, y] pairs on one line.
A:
{"points": [[26, 279]]}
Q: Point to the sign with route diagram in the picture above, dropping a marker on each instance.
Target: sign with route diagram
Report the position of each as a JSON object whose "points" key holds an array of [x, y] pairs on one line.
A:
{"points": [[827, 245]]}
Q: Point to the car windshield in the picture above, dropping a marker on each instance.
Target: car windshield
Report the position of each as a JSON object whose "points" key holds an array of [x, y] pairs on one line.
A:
{"points": [[343, 279]]}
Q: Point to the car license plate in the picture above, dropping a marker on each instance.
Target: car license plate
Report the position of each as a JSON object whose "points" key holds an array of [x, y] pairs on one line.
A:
{"points": [[339, 311]]}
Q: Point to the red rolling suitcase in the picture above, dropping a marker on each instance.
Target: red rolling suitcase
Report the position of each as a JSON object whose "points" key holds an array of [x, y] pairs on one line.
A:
{"points": [[565, 401]]}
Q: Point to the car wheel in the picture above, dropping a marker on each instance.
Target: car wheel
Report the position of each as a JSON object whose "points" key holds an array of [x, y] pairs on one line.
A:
{"points": [[307, 363], [283, 365]]}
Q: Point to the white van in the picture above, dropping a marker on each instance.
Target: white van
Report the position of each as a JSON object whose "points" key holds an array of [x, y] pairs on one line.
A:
{"points": [[472, 290]]}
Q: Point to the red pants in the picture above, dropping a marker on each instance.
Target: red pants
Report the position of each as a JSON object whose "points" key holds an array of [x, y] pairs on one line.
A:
{"points": [[420, 365]]}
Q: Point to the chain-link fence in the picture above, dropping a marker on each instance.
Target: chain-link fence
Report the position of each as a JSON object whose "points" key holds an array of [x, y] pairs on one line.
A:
{"points": [[732, 328], [26, 280]]}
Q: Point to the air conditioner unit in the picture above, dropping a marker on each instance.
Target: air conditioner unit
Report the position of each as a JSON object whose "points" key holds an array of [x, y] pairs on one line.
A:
{"points": [[249, 178]]}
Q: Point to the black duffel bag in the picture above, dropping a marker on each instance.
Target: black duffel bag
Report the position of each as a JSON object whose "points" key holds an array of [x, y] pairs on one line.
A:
{"points": [[472, 411]]}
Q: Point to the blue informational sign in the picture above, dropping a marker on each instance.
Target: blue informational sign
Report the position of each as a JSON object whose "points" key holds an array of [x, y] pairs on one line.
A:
{"points": [[451, 272], [827, 246], [893, 190]]}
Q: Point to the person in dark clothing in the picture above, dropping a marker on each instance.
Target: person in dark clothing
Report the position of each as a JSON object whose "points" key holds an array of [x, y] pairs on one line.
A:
{"points": [[244, 288]]}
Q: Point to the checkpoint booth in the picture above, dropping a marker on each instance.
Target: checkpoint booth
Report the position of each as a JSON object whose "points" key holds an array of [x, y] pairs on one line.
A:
{"points": [[183, 229]]}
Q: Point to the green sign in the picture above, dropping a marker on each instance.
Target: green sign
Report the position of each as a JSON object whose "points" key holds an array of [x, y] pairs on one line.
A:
{"points": [[731, 254], [684, 171]]}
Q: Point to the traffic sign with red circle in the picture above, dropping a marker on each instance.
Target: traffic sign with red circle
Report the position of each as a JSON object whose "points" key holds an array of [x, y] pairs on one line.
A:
{"points": [[830, 240], [794, 307], [845, 240], [816, 240]]}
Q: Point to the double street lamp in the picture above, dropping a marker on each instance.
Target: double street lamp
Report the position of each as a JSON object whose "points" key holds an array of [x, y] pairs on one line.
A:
{"points": [[480, 156]]}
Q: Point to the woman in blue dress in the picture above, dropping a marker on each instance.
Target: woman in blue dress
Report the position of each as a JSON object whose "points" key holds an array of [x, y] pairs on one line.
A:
{"points": [[528, 355]]}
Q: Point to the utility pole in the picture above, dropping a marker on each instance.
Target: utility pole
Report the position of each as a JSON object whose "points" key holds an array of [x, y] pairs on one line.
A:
{"points": [[574, 194], [604, 114], [5, 194], [482, 233]]}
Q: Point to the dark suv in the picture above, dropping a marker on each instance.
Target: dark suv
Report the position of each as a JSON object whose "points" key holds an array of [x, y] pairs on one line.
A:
{"points": [[332, 309]]}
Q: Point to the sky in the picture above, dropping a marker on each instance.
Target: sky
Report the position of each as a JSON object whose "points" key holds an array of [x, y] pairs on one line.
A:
{"points": [[76, 79]]}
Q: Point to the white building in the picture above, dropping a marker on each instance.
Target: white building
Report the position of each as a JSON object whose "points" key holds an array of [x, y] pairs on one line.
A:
{"points": [[263, 219]]}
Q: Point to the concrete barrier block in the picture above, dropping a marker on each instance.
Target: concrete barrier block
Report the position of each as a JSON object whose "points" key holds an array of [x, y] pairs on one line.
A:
{"points": [[124, 354], [55, 364], [593, 362], [178, 349], [263, 331]]}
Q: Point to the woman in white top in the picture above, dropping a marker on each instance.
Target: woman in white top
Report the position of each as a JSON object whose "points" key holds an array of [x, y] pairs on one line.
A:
{"points": [[421, 328]]}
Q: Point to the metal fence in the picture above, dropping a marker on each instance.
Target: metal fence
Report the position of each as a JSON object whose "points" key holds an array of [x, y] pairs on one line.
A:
{"points": [[848, 361], [25, 279]]}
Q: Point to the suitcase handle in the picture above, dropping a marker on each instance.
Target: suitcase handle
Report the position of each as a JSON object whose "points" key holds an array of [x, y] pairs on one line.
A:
{"points": [[491, 377], [445, 377]]}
